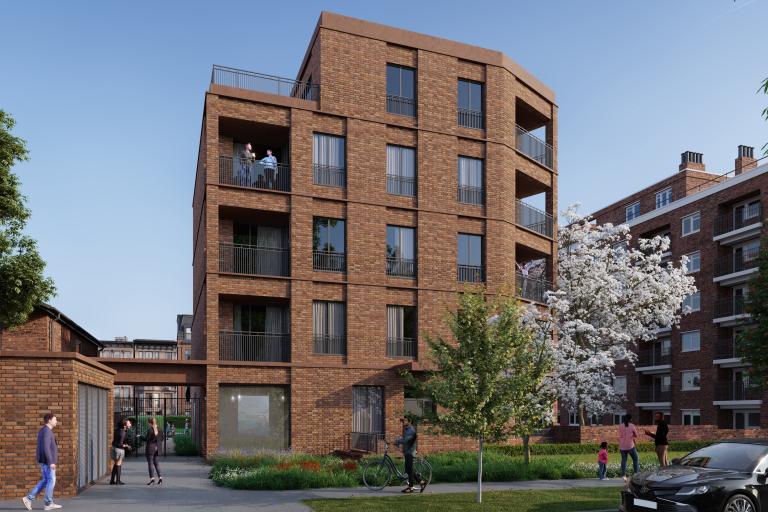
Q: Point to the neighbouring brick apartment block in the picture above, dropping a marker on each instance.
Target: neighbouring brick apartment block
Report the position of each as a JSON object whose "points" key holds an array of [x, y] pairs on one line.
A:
{"points": [[48, 365], [691, 372], [405, 166]]}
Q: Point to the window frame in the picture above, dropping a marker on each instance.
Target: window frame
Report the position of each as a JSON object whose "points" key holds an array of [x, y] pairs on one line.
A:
{"points": [[690, 297], [690, 413], [400, 69], [682, 341], [698, 258], [615, 380], [627, 218], [693, 387], [691, 217], [662, 194]]}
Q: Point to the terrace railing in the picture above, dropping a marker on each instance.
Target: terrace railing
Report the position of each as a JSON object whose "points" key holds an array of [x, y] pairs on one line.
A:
{"points": [[253, 260], [240, 79], [534, 147], [254, 346], [243, 173], [534, 219]]}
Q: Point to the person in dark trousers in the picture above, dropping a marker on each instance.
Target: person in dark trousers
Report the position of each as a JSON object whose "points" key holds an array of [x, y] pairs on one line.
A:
{"points": [[660, 438], [408, 443], [153, 438], [119, 446], [47, 453]]}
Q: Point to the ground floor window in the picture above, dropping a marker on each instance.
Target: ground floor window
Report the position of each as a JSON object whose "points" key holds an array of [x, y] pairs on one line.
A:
{"points": [[618, 417], [746, 419], [691, 417], [254, 417], [367, 416]]}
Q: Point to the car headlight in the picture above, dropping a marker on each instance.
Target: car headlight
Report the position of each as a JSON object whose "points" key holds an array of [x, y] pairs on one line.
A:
{"points": [[689, 491]]}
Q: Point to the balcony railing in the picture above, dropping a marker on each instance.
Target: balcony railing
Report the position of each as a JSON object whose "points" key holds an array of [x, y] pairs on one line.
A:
{"points": [[253, 260], [732, 306], [653, 357], [401, 105], [654, 393], [240, 79], [327, 344], [401, 267], [329, 175], [731, 222], [736, 262], [534, 219], [401, 185], [327, 261], [725, 348], [471, 118], [470, 195], [532, 288], [470, 274], [727, 391], [533, 147], [241, 172], [402, 347], [254, 346]]}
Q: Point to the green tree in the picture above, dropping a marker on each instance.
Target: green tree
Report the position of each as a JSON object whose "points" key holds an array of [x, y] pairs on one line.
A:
{"points": [[22, 284], [478, 378], [764, 89], [750, 344]]}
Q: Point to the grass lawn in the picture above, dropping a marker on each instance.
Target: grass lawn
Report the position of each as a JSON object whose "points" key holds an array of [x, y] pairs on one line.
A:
{"points": [[565, 500], [612, 457]]}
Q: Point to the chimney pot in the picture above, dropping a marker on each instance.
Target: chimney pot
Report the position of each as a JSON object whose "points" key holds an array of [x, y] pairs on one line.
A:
{"points": [[691, 160], [745, 159]]}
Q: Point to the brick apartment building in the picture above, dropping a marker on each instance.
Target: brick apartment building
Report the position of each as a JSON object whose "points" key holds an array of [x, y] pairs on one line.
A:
{"points": [[406, 166], [691, 372]]}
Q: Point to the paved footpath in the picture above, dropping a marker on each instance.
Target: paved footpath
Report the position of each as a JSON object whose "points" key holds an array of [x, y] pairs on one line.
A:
{"points": [[186, 488]]}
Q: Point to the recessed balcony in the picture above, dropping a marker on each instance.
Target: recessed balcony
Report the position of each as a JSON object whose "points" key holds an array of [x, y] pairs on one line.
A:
{"points": [[731, 311], [534, 148], [653, 360], [402, 348], [739, 224], [241, 172], [725, 353], [533, 219], [737, 394], [253, 260], [737, 267], [259, 82], [654, 394], [533, 289], [254, 346]]}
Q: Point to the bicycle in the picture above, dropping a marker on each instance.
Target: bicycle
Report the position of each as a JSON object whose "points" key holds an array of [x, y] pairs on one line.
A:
{"points": [[378, 473]]}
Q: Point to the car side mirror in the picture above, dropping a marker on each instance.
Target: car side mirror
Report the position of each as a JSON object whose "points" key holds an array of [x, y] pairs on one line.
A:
{"points": [[675, 461]]}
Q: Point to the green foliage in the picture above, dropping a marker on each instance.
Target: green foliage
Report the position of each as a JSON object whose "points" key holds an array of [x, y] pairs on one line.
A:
{"points": [[545, 449], [764, 89], [184, 445], [750, 343], [22, 285]]}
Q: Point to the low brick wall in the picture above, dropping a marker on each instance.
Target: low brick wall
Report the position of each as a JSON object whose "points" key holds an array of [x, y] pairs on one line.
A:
{"points": [[597, 434]]}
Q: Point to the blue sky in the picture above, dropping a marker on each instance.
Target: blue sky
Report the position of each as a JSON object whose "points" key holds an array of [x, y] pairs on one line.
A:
{"points": [[109, 97]]}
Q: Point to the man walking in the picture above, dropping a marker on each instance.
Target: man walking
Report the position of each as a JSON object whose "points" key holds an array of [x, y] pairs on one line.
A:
{"points": [[408, 442], [47, 453], [660, 438]]}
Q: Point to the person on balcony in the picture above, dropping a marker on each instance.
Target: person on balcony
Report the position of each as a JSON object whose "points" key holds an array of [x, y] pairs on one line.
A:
{"points": [[246, 159], [269, 164]]}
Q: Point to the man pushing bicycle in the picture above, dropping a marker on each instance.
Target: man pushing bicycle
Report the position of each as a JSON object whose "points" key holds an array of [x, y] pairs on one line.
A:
{"points": [[408, 443]]}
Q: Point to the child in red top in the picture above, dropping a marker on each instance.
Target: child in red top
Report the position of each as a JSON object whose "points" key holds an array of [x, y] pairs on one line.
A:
{"points": [[602, 460]]}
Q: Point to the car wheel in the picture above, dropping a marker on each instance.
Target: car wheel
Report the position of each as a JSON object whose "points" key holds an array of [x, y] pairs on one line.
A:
{"points": [[739, 503]]}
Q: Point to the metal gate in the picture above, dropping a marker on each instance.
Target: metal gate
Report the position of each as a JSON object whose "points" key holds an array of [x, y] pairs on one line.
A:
{"points": [[92, 434], [176, 418]]}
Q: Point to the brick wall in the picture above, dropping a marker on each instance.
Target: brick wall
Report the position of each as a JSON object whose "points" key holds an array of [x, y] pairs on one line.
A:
{"points": [[598, 434]]}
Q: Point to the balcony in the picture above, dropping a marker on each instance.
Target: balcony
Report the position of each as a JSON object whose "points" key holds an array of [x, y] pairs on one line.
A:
{"points": [[402, 347], [240, 79], [470, 195], [737, 392], [534, 148], [329, 175], [401, 105], [532, 288], [328, 261], [737, 267], [401, 185], [470, 274], [651, 360], [240, 172], [254, 346], [401, 267], [471, 118], [732, 227], [330, 345], [534, 219], [731, 311], [253, 260], [648, 394], [725, 353]]}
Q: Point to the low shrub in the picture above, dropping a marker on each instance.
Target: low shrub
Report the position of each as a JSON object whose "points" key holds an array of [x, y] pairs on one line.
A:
{"points": [[184, 445], [584, 448]]}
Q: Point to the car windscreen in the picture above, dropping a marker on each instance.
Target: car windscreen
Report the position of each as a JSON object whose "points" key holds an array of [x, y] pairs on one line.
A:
{"points": [[733, 456]]}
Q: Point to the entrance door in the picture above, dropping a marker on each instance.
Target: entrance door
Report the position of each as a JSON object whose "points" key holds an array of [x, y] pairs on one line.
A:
{"points": [[92, 434]]}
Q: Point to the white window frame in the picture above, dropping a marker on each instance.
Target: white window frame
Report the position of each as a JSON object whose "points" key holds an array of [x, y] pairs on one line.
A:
{"points": [[693, 387], [621, 415], [616, 380], [682, 341], [690, 219], [663, 197], [573, 418], [629, 208], [691, 413], [691, 270], [689, 301]]}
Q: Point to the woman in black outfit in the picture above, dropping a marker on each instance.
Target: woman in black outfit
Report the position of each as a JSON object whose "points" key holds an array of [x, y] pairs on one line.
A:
{"points": [[153, 438]]}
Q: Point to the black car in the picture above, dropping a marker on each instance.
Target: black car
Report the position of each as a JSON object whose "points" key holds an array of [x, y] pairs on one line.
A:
{"points": [[723, 477]]}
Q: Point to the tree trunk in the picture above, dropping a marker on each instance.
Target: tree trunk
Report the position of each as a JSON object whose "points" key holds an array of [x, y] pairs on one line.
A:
{"points": [[526, 449], [480, 471], [582, 419]]}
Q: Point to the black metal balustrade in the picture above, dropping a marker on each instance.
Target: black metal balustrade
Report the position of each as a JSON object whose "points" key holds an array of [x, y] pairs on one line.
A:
{"points": [[253, 260], [653, 357], [401, 185], [254, 346], [737, 261], [534, 219], [328, 261], [241, 172], [470, 274], [402, 347], [470, 195], [471, 118], [654, 393], [732, 306], [532, 288], [725, 348], [240, 79], [726, 391], [329, 175], [401, 105], [533, 147], [731, 221], [327, 344], [401, 267]]}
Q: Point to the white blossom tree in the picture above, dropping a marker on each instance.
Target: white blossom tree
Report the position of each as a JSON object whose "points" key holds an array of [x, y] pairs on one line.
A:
{"points": [[610, 297]]}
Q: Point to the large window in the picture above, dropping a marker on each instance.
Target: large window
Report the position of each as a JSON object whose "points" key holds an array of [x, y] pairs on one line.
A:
{"points": [[401, 170], [470, 96], [256, 250], [401, 331], [620, 384], [401, 90], [691, 341], [691, 417], [632, 211], [328, 240], [691, 224], [693, 302], [329, 327], [691, 380], [254, 417], [401, 251], [367, 416], [470, 264], [664, 197], [470, 180], [694, 262], [329, 160]]}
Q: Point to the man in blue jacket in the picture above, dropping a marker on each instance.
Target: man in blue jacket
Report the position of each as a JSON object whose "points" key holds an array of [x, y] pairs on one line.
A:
{"points": [[47, 453], [408, 442]]}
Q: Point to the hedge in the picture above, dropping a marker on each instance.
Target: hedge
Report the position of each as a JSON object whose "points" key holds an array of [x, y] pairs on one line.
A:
{"points": [[184, 445], [582, 448]]}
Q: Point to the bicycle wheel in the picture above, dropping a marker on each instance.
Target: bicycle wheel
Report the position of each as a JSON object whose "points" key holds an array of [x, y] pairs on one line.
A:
{"points": [[377, 475], [423, 469]]}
